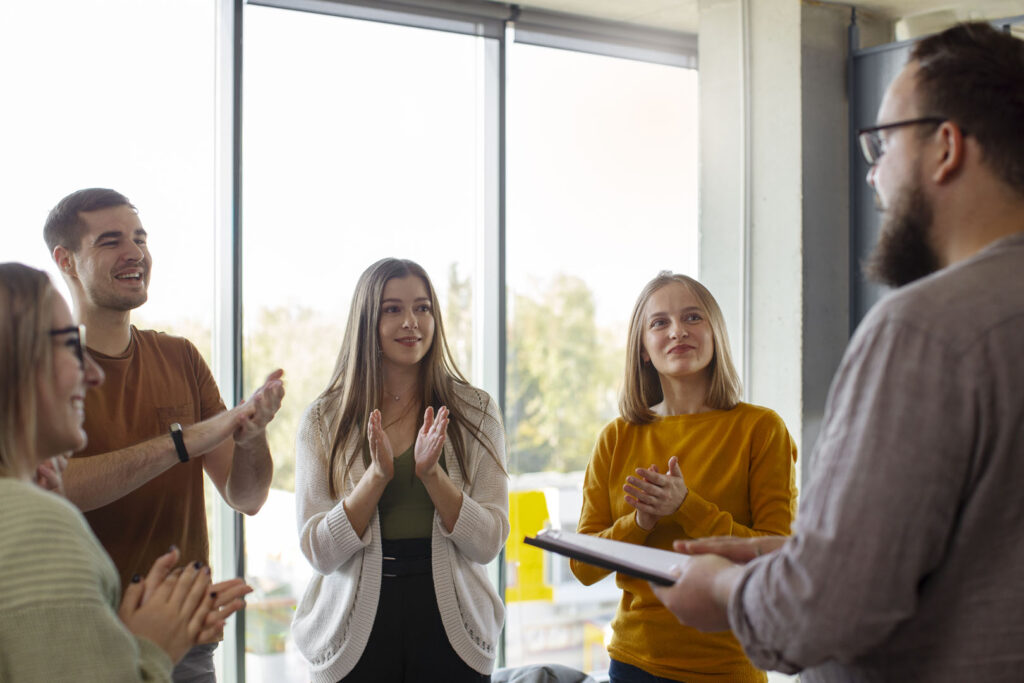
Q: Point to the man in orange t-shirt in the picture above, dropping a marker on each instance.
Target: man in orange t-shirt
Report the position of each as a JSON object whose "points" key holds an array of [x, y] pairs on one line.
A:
{"points": [[158, 421]]}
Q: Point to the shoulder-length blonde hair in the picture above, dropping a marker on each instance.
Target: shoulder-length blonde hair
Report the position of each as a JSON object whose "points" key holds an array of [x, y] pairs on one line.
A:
{"points": [[641, 388], [357, 385], [26, 315]]}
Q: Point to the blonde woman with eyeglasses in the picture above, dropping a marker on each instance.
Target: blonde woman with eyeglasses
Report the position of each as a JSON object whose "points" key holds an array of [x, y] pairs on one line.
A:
{"points": [[62, 617]]}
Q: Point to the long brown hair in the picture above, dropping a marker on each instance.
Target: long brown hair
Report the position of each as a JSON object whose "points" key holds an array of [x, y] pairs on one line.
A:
{"points": [[26, 307], [357, 385], [641, 388]]}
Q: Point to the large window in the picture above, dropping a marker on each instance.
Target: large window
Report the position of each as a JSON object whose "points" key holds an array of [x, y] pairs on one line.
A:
{"points": [[602, 195], [365, 139], [102, 94], [118, 94], [361, 141]]}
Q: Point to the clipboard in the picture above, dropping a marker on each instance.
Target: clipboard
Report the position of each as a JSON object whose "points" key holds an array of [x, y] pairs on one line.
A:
{"points": [[650, 564]]}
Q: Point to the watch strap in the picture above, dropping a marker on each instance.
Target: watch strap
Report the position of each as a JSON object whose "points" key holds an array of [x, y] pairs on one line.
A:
{"points": [[179, 442]]}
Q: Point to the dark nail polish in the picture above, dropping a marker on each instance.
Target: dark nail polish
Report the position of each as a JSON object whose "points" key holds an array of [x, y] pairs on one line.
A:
{"points": [[213, 595], [197, 564], [136, 578]]}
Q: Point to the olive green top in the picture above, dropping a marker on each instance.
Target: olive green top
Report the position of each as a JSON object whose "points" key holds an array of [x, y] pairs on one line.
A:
{"points": [[405, 508]]}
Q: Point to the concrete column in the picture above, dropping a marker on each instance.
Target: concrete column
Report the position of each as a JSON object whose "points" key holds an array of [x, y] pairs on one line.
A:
{"points": [[750, 171], [774, 206]]}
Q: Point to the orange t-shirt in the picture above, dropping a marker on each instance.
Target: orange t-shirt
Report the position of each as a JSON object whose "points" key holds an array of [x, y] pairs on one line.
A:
{"points": [[159, 380]]}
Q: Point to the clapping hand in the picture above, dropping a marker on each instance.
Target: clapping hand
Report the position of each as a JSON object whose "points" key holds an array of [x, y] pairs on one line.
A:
{"points": [[655, 495], [430, 441], [226, 596], [170, 611], [227, 599], [261, 408], [50, 474], [382, 458]]}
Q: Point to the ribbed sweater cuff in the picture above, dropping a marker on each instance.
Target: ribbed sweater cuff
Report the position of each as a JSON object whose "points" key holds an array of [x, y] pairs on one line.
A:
{"points": [[633, 532], [154, 660], [694, 512], [471, 516], [474, 533], [342, 534]]}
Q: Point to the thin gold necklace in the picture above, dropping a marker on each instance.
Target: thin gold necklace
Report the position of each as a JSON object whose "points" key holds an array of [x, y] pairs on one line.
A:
{"points": [[397, 397]]}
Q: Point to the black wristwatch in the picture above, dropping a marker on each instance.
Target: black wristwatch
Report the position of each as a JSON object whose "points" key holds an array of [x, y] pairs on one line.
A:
{"points": [[179, 442]]}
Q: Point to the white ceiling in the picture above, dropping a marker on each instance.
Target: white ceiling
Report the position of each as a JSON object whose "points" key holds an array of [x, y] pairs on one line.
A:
{"points": [[681, 15]]}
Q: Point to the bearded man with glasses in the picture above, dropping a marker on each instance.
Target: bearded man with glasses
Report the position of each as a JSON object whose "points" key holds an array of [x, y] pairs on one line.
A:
{"points": [[905, 559]]}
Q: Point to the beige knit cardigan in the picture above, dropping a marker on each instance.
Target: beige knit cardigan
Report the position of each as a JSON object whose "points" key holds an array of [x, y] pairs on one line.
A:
{"points": [[334, 618]]}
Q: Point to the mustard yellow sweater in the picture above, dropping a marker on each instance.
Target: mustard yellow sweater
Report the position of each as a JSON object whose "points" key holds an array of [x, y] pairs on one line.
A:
{"points": [[739, 466]]}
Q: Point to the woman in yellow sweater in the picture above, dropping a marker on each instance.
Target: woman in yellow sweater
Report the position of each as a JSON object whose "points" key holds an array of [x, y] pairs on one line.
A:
{"points": [[686, 459]]}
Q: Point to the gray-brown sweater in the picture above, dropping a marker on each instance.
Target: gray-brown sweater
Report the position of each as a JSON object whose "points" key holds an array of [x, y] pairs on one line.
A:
{"points": [[907, 559]]}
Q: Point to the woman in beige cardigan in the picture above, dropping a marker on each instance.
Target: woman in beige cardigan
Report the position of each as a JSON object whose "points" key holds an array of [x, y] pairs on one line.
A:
{"points": [[402, 499]]}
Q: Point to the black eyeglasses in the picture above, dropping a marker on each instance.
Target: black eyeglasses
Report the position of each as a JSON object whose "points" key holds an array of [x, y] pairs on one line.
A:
{"points": [[872, 145], [76, 341]]}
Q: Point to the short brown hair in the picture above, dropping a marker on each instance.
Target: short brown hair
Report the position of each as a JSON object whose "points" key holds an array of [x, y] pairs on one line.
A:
{"points": [[64, 226], [973, 74], [641, 388]]}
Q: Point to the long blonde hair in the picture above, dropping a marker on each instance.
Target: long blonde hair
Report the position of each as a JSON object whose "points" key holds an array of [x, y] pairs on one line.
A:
{"points": [[26, 308], [641, 388], [356, 387]]}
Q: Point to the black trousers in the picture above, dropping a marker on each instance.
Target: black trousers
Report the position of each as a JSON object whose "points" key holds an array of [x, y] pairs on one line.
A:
{"points": [[408, 643]]}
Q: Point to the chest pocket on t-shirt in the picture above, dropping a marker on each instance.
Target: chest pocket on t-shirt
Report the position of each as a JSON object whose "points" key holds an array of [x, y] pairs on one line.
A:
{"points": [[183, 414]]}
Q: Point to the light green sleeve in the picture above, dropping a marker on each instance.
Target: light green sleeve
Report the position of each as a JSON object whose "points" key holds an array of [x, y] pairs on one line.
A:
{"points": [[58, 599]]}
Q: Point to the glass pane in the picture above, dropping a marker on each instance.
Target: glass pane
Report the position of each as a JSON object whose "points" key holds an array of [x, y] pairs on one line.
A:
{"points": [[602, 194], [362, 140], [107, 97], [90, 116]]}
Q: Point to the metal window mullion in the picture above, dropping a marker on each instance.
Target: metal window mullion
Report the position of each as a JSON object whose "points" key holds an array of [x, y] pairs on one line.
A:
{"points": [[228, 527], [746, 201], [489, 346]]}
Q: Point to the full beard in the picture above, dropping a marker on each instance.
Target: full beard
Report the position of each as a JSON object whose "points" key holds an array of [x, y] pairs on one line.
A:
{"points": [[904, 252]]}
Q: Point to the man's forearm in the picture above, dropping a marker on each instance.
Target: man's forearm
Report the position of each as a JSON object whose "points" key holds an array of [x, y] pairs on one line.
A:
{"points": [[252, 470], [98, 480]]}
